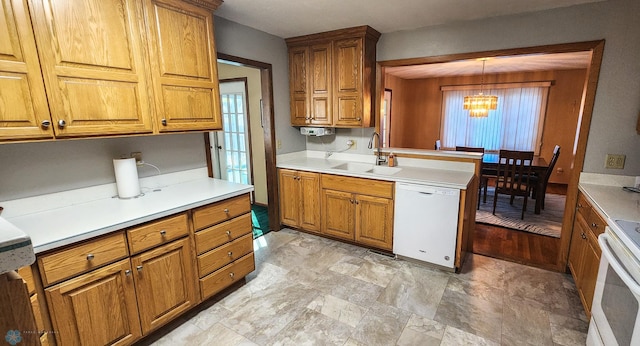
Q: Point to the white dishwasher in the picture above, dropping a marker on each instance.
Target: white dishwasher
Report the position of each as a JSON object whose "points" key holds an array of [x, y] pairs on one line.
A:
{"points": [[425, 223]]}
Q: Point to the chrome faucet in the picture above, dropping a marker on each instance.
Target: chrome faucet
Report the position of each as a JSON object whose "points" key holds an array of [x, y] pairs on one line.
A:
{"points": [[379, 158]]}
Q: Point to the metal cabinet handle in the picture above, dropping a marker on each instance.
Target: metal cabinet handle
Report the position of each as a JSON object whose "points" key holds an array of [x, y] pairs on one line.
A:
{"points": [[139, 268], [228, 232], [164, 122], [594, 224], [231, 275], [62, 123], [230, 253], [127, 272], [90, 257], [358, 119], [45, 124], [583, 236], [226, 211], [163, 232]]}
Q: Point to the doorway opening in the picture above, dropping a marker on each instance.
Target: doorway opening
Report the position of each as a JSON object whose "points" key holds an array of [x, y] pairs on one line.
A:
{"points": [[575, 147], [243, 151]]}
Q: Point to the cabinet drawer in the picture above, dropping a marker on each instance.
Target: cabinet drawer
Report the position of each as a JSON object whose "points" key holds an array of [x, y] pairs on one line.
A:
{"points": [[225, 254], [157, 232], [222, 278], [81, 258], [221, 211], [358, 185], [217, 235], [583, 207], [596, 223]]}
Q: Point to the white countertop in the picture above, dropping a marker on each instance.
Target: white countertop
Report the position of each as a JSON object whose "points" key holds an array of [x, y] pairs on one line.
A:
{"points": [[16, 250], [68, 224], [613, 202], [441, 173]]}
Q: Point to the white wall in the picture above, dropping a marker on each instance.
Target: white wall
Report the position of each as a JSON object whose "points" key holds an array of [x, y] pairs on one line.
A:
{"points": [[245, 42], [617, 101], [29, 169]]}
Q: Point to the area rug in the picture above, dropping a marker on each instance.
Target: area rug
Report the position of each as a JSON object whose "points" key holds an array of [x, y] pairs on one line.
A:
{"points": [[548, 222], [259, 220]]}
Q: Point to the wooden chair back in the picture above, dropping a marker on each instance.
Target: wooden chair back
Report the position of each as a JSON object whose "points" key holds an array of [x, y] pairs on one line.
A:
{"points": [[514, 168]]}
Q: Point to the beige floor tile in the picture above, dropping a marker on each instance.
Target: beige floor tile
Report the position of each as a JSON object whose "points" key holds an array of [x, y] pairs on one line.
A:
{"points": [[313, 328], [456, 337], [338, 309], [471, 314], [421, 331]]}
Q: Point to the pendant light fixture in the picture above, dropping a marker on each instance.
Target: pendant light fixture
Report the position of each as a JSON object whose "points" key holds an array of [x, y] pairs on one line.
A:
{"points": [[479, 105]]}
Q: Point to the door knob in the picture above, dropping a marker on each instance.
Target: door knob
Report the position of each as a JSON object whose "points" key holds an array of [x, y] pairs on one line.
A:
{"points": [[164, 122], [62, 123]]}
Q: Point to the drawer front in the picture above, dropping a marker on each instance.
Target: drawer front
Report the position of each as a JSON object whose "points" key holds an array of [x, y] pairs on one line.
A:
{"points": [[217, 235], [583, 207], [221, 211], [157, 232], [226, 276], [225, 254], [81, 258], [596, 223], [358, 185]]}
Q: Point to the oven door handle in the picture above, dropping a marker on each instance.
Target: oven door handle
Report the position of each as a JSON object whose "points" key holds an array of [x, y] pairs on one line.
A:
{"points": [[604, 240]]}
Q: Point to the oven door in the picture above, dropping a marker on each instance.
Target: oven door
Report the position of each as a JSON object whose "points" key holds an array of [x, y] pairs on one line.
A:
{"points": [[616, 302]]}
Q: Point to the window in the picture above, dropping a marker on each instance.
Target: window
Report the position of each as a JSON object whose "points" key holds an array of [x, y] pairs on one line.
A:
{"points": [[515, 125]]}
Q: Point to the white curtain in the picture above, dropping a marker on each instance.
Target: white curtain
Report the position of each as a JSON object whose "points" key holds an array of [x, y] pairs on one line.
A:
{"points": [[515, 125]]}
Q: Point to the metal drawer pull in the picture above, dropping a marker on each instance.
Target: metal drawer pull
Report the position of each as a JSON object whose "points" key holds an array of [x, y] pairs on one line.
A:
{"points": [[226, 211], [583, 236], [164, 122], [127, 272], [594, 225], [230, 253], [45, 124], [163, 233], [232, 275], [139, 268], [62, 123], [90, 257], [229, 232]]}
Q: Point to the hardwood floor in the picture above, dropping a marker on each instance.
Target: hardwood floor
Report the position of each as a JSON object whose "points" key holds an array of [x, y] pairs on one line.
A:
{"points": [[518, 246]]}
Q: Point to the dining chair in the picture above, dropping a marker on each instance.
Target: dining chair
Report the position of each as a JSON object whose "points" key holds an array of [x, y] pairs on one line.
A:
{"points": [[438, 145], [514, 168], [538, 184], [484, 179]]}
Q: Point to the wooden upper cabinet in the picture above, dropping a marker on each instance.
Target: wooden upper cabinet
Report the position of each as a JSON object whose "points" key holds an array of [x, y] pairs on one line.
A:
{"points": [[93, 62], [24, 113], [332, 78], [298, 86], [183, 66]]}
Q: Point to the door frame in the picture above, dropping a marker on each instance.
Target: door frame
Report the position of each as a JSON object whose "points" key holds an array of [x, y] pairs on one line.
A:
{"points": [[268, 128], [248, 132], [584, 118]]}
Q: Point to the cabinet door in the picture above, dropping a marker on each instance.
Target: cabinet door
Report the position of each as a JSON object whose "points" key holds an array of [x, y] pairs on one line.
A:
{"points": [[590, 265], [374, 221], [165, 283], [94, 65], [320, 75], [298, 85], [183, 65], [24, 112], [348, 55], [576, 250], [289, 197], [97, 308], [338, 212], [309, 201]]}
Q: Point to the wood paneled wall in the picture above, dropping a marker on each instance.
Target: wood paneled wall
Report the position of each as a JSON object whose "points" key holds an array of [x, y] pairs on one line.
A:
{"points": [[416, 111]]}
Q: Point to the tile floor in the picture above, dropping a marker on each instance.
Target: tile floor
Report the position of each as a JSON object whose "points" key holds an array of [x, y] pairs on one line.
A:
{"points": [[308, 290]]}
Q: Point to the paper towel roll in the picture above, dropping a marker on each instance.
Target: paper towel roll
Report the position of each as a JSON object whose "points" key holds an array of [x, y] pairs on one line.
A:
{"points": [[126, 177]]}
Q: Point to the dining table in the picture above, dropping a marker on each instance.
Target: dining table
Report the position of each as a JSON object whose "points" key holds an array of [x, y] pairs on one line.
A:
{"points": [[539, 167]]}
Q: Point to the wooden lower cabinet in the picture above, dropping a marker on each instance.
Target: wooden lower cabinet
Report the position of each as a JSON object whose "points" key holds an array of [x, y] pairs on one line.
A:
{"points": [[97, 308], [300, 199], [584, 253], [359, 210], [164, 284]]}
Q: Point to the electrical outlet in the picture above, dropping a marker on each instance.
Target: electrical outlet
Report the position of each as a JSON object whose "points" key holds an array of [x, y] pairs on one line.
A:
{"points": [[278, 144], [138, 156], [614, 161], [352, 144]]}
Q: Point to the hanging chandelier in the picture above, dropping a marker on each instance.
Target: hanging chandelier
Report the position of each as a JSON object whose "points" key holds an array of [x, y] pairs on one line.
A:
{"points": [[479, 105]]}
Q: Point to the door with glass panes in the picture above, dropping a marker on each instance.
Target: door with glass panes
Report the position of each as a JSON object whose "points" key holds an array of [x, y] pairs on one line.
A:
{"points": [[232, 144]]}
